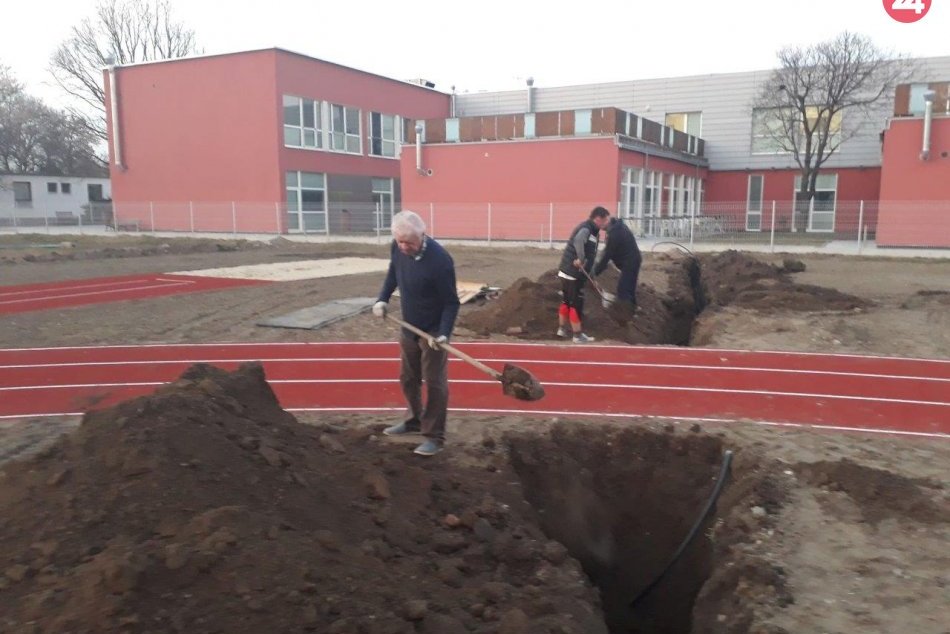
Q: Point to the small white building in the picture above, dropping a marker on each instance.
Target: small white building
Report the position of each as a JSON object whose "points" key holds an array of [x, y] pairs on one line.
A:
{"points": [[35, 199]]}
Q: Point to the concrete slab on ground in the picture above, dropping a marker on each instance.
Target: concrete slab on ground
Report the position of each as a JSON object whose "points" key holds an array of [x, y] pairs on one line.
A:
{"points": [[321, 315]]}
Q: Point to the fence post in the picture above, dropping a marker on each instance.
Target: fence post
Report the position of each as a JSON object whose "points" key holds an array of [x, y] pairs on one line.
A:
{"points": [[191, 214], [151, 215], [16, 229], [489, 223], [277, 216], [550, 225], [692, 221], [811, 212], [80, 223], [860, 224], [432, 219], [46, 220], [772, 231], [379, 223]]}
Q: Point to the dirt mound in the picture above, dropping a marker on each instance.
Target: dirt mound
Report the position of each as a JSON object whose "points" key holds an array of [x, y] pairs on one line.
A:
{"points": [[880, 494], [207, 508], [735, 278], [32, 248], [528, 308]]}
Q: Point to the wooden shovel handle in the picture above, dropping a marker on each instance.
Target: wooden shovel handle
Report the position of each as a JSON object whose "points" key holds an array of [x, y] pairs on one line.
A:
{"points": [[495, 374]]}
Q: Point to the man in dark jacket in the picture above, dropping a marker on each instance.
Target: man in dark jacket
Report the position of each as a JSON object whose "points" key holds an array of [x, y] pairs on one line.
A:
{"points": [[578, 256], [621, 249], [425, 274]]}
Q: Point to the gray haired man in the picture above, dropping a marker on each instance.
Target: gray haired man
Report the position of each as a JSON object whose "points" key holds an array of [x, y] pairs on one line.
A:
{"points": [[425, 275]]}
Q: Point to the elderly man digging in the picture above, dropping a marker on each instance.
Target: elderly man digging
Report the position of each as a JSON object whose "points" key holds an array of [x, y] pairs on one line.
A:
{"points": [[425, 275]]}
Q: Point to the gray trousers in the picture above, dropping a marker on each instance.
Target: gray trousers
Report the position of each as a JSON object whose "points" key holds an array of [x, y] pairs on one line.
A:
{"points": [[422, 363]]}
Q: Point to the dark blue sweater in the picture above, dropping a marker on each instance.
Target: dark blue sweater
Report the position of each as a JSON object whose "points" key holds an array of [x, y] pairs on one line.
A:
{"points": [[427, 290]]}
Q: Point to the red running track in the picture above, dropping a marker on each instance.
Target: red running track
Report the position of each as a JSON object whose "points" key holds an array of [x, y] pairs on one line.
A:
{"points": [[881, 394], [69, 293]]}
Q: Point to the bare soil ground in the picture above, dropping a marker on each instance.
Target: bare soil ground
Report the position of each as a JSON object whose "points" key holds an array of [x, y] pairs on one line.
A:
{"points": [[207, 509]]}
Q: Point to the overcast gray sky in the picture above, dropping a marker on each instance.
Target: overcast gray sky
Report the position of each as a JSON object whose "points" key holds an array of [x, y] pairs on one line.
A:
{"points": [[494, 44]]}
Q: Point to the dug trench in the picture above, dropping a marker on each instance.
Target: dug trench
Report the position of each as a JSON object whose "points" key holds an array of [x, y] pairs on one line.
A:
{"points": [[207, 508], [677, 296]]}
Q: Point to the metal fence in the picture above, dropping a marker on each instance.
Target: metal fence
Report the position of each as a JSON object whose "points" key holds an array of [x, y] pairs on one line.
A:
{"points": [[775, 224]]}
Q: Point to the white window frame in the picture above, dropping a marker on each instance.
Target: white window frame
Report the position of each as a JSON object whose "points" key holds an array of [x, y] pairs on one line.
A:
{"points": [[689, 116], [383, 215], [298, 190], [760, 118], [20, 200], [751, 213], [316, 130], [814, 214], [346, 136], [632, 193], [583, 122], [383, 140], [669, 188]]}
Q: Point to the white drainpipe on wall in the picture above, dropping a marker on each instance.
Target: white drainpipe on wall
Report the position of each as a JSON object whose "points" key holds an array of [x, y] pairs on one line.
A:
{"points": [[530, 82], [116, 128], [452, 104], [928, 121], [419, 169]]}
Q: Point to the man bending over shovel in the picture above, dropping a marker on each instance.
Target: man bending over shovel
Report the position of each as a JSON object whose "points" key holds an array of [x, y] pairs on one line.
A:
{"points": [[425, 275], [623, 251]]}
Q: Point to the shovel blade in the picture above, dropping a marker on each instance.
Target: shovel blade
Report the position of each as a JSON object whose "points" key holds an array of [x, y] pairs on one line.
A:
{"points": [[521, 384]]}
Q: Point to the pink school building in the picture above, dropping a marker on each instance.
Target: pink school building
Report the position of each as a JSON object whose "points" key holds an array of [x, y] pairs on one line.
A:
{"points": [[277, 142]]}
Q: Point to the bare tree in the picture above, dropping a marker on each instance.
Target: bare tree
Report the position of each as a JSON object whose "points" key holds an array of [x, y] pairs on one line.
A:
{"points": [[820, 97], [35, 138], [121, 32]]}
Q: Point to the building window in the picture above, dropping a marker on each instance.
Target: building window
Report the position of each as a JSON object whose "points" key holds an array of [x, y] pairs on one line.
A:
{"points": [[775, 131], [651, 193], [529, 125], [95, 193], [767, 132], [383, 200], [917, 92], [686, 122], [668, 195], [582, 122], [753, 207], [22, 194], [302, 123], [382, 133], [306, 201], [51, 188], [451, 130], [820, 211], [345, 129], [632, 206], [66, 188]]}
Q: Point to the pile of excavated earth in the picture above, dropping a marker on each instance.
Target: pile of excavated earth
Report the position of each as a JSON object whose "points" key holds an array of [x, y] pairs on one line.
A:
{"points": [[207, 508], [666, 312]]}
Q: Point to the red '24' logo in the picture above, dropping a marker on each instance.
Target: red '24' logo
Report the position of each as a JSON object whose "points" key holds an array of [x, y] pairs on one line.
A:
{"points": [[907, 10]]}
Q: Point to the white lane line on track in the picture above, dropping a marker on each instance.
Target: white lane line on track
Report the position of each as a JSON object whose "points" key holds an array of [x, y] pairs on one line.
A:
{"points": [[610, 364], [118, 290], [872, 399], [72, 287], [350, 344]]}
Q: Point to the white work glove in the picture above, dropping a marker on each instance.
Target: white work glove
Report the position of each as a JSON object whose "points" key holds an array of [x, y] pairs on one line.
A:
{"points": [[380, 309], [435, 341]]}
